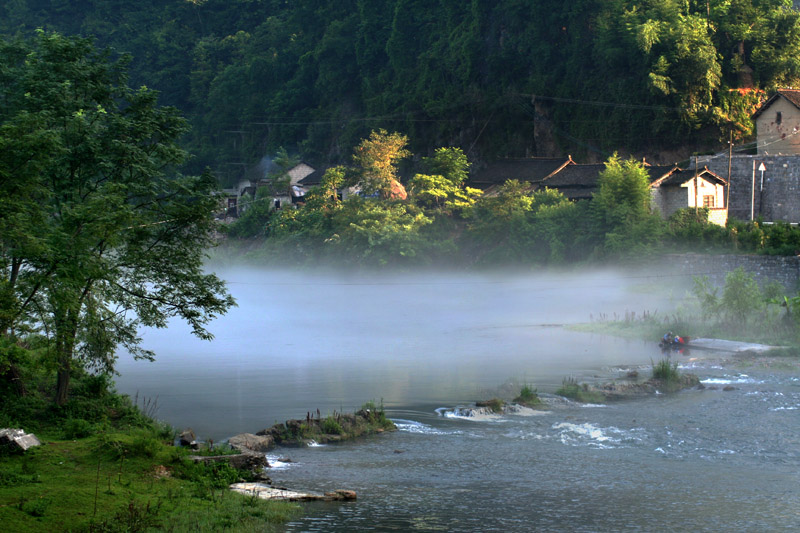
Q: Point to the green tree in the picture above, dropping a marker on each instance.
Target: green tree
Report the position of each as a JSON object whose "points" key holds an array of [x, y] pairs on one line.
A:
{"points": [[741, 297], [121, 237], [376, 161], [623, 221]]}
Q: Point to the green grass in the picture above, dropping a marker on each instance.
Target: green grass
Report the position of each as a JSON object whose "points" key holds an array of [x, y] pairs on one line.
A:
{"points": [[528, 397], [106, 466], [666, 371], [124, 482], [579, 392]]}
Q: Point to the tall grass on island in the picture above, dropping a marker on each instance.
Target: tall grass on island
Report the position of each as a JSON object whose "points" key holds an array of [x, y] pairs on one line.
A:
{"points": [[739, 310], [104, 465]]}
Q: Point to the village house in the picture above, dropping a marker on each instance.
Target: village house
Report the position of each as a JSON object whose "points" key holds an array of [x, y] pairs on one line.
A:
{"points": [[672, 188], [766, 185], [259, 176], [778, 123], [680, 188]]}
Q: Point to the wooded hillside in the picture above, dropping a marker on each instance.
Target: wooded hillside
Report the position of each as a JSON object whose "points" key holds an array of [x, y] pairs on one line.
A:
{"points": [[317, 76]]}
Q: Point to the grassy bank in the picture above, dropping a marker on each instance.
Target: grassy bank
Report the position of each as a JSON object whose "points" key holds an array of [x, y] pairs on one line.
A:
{"points": [[106, 466]]}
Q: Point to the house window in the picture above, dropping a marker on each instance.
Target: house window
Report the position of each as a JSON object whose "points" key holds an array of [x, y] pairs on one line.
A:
{"points": [[778, 117], [277, 204], [708, 200]]}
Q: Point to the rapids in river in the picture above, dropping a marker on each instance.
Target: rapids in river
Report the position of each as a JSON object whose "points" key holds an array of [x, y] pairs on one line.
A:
{"points": [[425, 345]]}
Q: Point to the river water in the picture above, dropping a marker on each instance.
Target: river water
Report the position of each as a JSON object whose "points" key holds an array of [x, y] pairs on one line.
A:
{"points": [[425, 344]]}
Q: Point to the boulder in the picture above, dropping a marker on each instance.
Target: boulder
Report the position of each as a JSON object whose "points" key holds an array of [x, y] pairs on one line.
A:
{"points": [[17, 439], [247, 442], [259, 490], [187, 438], [341, 494]]}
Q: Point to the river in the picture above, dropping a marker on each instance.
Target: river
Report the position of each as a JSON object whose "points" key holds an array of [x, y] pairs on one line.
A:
{"points": [[426, 343]]}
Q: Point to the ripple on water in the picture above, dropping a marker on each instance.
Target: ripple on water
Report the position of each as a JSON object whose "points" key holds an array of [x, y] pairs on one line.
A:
{"points": [[730, 380], [411, 426], [588, 434], [278, 462]]}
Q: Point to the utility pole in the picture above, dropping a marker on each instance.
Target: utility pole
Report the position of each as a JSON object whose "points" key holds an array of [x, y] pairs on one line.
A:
{"points": [[730, 156], [695, 185], [761, 168], [753, 193]]}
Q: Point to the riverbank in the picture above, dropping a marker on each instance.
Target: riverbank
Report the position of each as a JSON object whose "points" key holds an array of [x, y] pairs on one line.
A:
{"points": [[105, 465]]}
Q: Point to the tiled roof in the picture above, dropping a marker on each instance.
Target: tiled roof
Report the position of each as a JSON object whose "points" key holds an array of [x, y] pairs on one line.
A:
{"points": [[532, 169], [658, 172], [315, 178], [681, 176], [575, 176], [792, 95], [576, 193]]}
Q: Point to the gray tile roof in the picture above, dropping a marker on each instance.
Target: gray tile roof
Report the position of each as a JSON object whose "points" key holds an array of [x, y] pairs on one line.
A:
{"points": [[533, 169]]}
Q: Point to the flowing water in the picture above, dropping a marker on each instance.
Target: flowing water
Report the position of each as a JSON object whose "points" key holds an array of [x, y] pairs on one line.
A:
{"points": [[425, 344]]}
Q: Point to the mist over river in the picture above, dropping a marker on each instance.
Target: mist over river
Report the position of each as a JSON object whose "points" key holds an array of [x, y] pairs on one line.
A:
{"points": [[427, 343]]}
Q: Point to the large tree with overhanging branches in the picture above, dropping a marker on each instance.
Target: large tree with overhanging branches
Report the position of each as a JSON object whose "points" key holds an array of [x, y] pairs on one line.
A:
{"points": [[98, 233]]}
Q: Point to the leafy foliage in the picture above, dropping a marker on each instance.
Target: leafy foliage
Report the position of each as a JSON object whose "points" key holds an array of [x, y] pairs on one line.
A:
{"points": [[115, 237], [316, 77]]}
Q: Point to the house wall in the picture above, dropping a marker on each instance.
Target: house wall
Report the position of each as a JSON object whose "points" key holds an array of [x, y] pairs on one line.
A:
{"points": [[783, 138], [780, 198], [669, 199]]}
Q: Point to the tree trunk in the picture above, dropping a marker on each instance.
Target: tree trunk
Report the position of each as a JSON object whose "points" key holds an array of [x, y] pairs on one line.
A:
{"points": [[62, 383], [66, 331]]}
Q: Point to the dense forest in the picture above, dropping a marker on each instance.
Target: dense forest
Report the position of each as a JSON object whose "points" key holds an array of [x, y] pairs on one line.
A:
{"points": [[495, 78]]}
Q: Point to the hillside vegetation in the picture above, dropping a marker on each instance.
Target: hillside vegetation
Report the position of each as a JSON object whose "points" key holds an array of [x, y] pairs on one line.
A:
{"points": [[500, 77]]}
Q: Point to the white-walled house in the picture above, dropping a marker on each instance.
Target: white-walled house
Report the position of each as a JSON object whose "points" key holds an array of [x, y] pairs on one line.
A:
{"points": [[683, 188]]}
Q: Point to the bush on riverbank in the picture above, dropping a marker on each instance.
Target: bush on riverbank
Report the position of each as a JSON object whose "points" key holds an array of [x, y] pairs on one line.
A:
{"points": [[106, 466]]}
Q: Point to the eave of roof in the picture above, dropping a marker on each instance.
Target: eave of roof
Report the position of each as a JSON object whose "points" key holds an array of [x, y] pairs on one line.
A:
{"points": [[681, 176]]}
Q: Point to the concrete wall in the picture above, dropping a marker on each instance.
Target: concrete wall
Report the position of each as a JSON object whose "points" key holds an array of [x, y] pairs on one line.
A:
{"points": [[778, 200], [783, 269], [779, 138]]}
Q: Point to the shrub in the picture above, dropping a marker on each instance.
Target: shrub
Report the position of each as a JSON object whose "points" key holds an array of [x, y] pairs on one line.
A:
{"points": [[495, 405], [666, 371], [330, 426], [77, 428], [527, 396], [580, 392]]}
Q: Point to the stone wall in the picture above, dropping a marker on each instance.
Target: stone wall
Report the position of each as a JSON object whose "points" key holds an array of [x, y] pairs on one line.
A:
{"points": [[777, 200], [765, 268]]}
